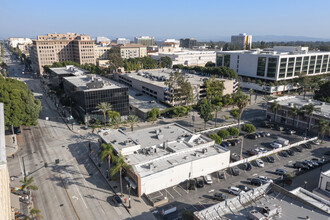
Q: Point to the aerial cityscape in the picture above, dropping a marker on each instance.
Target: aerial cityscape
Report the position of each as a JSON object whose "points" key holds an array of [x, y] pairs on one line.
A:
{"points": [[192, 110]]}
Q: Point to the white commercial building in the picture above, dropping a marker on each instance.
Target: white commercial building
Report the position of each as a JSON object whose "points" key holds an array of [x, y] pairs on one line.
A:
{"points": [[165, 155], [122, 41], [13, 41], [187, 57], [145, 40], [324, 182], [241, 41], [102, 40]]}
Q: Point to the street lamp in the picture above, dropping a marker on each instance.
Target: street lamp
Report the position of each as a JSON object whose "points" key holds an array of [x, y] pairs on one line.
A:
{"points": [[129, 195]]}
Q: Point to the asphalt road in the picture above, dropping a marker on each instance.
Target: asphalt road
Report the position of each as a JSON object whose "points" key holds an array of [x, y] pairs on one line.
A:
{"points": [[72, 189]]}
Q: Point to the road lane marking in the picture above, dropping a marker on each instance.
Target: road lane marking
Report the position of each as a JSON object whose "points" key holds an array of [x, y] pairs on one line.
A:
{"points": [[176, 191], [184, 189], [169, 193], [195, 208]]}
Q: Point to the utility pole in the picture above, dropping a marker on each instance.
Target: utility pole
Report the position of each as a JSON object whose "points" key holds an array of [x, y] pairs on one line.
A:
{"points": [[241, 154], [129, 195]]}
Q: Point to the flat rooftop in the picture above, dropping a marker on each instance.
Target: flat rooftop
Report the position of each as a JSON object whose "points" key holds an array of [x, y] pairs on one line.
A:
{"points": [[143, 102], [69, 70], [82, 81], [300, 102], [281, 204], [159, 76], [154, 149]]}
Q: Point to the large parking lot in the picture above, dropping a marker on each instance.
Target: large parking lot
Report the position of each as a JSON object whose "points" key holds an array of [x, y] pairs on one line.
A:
{"points": [[201, 198]]}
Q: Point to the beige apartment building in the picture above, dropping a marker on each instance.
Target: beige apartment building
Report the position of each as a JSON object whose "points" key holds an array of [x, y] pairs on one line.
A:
{"points": [[52, 48], [102, 52], [132, 51]]}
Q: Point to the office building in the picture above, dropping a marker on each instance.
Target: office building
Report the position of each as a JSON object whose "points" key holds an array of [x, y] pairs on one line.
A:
{"points": [[132, 51], [87, 90], [269, 201], [52, 48], [5, 204], [145, 40], [241, 41], [14, 41], [103, 40], [274, 64], [185, 57], [284, 117], [102, 52], [122, 41], [324, 183], [188, 43], [152, 83], [165, 155]]}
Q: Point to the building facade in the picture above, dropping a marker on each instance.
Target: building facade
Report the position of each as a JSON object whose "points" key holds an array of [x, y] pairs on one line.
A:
{"points": [[241, 41], [103, 40], [122, 41], [188, 43], [102, 52], [14, 41], [324, 182], [145, 40], [132, 51], [52, 48]]}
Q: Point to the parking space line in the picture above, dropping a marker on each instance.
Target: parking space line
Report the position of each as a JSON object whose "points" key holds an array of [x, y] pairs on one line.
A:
{"points": [[184, 189], [169, 193], [176, 191], [195, 208]]}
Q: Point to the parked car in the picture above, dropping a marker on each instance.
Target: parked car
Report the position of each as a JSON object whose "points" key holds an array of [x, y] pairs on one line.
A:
{"points": [[200, 183], [275, 145], [117, 201], [252, 136], [284, 154], [235, 157], [208, 179], [315, 163], [282, 141], [261, 134], [252, 152], [308, 146], [300, 148], [266, 134], [258, 135], [265, 179], [270, 159], [317, 142], [17, 130], [223, 144], [299, 165], [327, 153], [256, 182], [319, 161], [192, 184], [260, 163], [308, 163], [122, 128], [290, 152], [247, 166], [243, 187], [279, 128], [235, 171], [289, 131], [222, 175], [227, 143], [279, 171], [232, 142], [234, 190], [219, 196], [261, 150], [267, 124]]}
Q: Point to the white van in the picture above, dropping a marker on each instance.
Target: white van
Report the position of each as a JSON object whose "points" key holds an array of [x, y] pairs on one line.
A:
{"points": [[282, 141], [276, 145]]}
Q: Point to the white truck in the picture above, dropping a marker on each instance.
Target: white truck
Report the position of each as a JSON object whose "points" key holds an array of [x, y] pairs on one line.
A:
{"points": [[282, 141]]}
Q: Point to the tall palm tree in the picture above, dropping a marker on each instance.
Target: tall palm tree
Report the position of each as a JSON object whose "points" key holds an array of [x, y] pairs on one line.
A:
{"points": [[251, 92], [266, 99], [322, 126], [104, 107], [106, 151], [241, 102], [116, 121], [216, 108], [132, 120], [120, 164], [34, 214], [294, 111], [275, 106], [309, 110], [27, 184]]}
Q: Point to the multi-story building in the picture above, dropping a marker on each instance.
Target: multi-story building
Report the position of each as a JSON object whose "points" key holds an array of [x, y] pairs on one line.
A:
{"points": [[122, 41], [241, 41], [165, 156], [132, 51], [103, 40], [152, 83], [145, 40], [52, 48], [276, 64], [87, 90], [302, 121], [102, 52], [188, 43], [186, 57], [14, 41]]}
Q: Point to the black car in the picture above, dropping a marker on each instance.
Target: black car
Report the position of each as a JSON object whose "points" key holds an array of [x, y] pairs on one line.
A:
{"points": [[192, 185], [222, 175], [227, 143], [290, 152], [308, 146], [289, 131], [219, 196], [319, 161], [247, 166], [252, 136], [261, 134], [17, 130], [232, 142], [284, 154], [117, 200], [244, 188], [300, 148], [235, 171], [299, 165], [200, 183], [256, 182], [270, 159], [258, 134], [327, 153]]}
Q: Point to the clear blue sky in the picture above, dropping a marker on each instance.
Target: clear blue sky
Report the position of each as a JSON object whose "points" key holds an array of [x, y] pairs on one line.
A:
{"points": [[204, 19]]}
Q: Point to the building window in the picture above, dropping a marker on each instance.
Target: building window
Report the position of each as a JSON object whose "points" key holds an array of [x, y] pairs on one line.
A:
{"points": [[271, 69], [226, 62], [298, 66], [312, 65], [290, 67], [305, 65], [318, 64], [283, 67], [325, 62], [261, 66], [327, 187]]}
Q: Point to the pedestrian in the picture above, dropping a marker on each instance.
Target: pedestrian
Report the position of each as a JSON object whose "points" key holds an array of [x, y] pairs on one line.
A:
{"points": [[125, 200], [13, 155]]}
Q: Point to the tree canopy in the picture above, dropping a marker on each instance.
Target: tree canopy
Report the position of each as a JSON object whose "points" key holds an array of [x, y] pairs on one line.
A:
{"points": [[179, 88], [20, 107], [135, 64], [323, 93], [165, 62], [153, 114], [220, 71]]}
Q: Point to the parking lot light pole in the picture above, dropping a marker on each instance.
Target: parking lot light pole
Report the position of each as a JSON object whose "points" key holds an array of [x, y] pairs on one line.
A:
{"points": [[241, 154], [129, 195]]}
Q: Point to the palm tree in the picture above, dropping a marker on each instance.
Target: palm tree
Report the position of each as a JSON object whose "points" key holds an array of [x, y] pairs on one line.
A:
{"points": [[241, 102], [309, 110], [34, 213], [251, 92], [132, 120], [120, 164], [27, 184], [275, 106], [266, 99], [106, 151], [104, 107], [216, 108], [322, 126], [294, 111], [116, 121]]}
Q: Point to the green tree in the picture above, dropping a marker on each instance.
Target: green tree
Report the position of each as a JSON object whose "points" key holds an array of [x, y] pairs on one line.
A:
{"points": [[294, 112], [205, 110], [235, 114], [233, 131], [179, 88], [27, 183], [34, 214], [216, 138], [115, 60], [249, 128], [223, 133], [217, 108], [308, 111], [106, 151], [153, 114], [112, 114], [187, 215], [120, 164], [251, 92], [241, 101], [116, 122], [275, 107], [323, 93], [104, 107], [227, 100], [322, 126], [210, 64], [166, 62], [214, 88], [132, 120]]}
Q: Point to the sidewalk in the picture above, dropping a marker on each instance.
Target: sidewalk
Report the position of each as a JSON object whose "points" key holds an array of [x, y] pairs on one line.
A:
{"points": [[139, 209], [11, 144]]}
